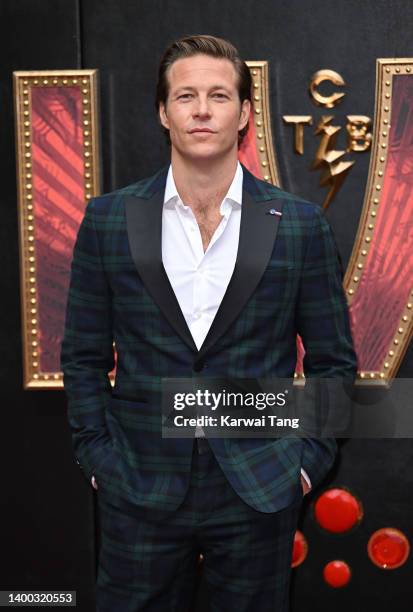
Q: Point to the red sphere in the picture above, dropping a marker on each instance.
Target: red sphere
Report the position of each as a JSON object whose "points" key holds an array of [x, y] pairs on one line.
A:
{"points": [[337, 574], [337, 510], [300, 549], [388, 548]]}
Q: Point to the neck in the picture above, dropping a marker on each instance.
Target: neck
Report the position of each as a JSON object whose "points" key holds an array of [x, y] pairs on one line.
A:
{"points": [[203, 184]]}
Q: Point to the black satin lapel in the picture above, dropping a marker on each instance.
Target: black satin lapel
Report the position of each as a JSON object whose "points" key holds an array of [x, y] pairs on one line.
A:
{"points": [[256, 241], [144, 226]]}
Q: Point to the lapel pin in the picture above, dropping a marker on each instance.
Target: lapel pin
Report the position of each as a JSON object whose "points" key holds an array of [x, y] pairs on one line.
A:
{"points": [[272, 211]]}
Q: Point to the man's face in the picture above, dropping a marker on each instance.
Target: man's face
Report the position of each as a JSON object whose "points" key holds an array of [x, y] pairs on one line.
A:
{"points": [[203, 112]]}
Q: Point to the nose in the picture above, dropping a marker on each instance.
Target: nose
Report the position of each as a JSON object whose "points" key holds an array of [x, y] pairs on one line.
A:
{"points": [[202, 109]]}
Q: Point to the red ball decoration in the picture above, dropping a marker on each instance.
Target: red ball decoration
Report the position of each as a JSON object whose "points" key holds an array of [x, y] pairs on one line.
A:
{"points": [[388, 548], [300, 549], [337, 510], [337, 574]]}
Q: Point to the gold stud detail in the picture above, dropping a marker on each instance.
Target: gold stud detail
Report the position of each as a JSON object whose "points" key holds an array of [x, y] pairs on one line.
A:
{"points": [[404, 318], [400, 330], [396, 342], [260, 135], [397, 69], [351, 291], [391, 353], [368, 239], [408, 69], [387, 69], [364, 252], [264, 164], [257, 111], [371, 226], [378, 187], [386, 365], [373, 213], [356, 279], [266, 177], [259, 123], [375, 201], [409, 305], [360, 266]]}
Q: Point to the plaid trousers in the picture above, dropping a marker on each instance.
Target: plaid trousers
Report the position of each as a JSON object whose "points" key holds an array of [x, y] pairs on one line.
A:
{"points": [[148, 559]]}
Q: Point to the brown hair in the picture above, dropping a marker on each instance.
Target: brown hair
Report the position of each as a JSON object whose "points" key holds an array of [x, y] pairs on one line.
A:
{"points": [[203, 44]]}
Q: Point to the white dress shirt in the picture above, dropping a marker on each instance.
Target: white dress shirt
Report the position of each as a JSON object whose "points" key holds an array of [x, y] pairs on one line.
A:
{"points": [[199, 279]]}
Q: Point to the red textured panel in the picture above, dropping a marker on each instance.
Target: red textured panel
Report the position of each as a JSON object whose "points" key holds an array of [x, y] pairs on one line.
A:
{"points": [[337, 510], [59, 204], [337, 574], [247, 153], [388, 270], [388, 548], [300, 549]]}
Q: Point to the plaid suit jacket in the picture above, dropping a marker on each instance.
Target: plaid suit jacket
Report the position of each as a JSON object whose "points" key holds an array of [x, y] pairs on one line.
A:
{"points": [[285, 281]]}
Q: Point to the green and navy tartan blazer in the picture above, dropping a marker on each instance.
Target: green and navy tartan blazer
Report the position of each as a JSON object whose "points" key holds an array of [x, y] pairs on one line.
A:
{"points": [[287, 280]]}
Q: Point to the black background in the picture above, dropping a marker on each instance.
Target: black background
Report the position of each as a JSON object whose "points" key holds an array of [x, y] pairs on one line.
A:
{"points": [[47, 527]]}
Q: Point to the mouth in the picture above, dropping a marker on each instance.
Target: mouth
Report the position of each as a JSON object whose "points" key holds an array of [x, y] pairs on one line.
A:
{"points": [[201, 130]]}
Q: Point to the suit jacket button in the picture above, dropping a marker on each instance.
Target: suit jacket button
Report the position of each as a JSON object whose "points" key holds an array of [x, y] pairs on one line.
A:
{"points": [[198, 366]]}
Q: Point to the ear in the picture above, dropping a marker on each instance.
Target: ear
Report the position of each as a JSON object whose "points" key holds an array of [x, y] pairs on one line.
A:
{"points": [[245, 114], [163, 116]]}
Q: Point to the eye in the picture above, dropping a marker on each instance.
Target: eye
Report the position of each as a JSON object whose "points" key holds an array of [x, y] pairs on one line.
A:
{"points": [[186, 96], [220, 96]]}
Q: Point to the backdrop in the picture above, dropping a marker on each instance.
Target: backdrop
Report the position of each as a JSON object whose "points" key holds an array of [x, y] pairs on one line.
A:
{"points": [[48, 524]]}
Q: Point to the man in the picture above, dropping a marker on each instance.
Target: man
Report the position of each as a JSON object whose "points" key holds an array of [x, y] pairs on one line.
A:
{"points": [[201, 270]]}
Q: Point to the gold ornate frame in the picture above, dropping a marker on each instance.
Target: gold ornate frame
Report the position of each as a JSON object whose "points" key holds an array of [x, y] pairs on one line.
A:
{"points": [[262, 121], [83, 88], [386, 71]]}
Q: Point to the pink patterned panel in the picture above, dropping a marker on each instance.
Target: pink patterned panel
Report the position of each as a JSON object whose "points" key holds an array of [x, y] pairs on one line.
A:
{"points": [[388, 270], [59, 204]]}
